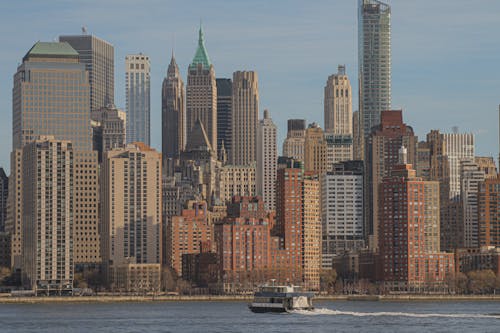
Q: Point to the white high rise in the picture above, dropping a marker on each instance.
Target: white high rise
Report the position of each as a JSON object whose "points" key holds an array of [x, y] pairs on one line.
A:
{"points": [[342, 210], [458, 147], [48, 220], [267, 156], [137, 91]]}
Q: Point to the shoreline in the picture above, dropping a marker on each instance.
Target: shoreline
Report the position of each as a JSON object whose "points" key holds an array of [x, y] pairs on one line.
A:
{"points": [[235, 298]]}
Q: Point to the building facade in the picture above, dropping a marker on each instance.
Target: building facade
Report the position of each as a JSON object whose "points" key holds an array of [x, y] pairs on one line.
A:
{"points": [[245, 117], [48, 218], [109, 125], [470, 178], [186, 233], [173, 115], [98, 56], [382, 154], [409, 232], [338, 104], [374, 62], [131, 206], [315, 150], [267, 159], [293, 146], [236, 180], [4, 193], [138, 98], [201, 94], [342, 210], [224, 116], [489, 216]]}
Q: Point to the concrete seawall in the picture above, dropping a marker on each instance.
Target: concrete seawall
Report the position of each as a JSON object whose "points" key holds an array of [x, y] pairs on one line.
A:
{"points": [[230, 298]]}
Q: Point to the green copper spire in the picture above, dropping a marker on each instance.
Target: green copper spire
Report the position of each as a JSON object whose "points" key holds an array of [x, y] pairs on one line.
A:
{"points": [[201, 55]]}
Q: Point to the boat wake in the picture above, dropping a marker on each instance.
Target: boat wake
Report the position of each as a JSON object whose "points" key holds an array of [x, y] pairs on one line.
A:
{"points": [[317, 312]]}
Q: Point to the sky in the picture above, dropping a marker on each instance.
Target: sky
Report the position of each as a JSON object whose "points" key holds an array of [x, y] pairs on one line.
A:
{"points": [[445, 53]]}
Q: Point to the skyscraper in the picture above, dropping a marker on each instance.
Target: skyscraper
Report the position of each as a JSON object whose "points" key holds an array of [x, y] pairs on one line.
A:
{"points": [[338, 117], [173, 114], [245, 116], [224, 115], [470, 179], [409, 230], [54, 100], [98, 56], [267, 159], [338, 104], [201, 94], [374, 62], [131, 213], [50, 82], [138, 99], [342, 210], [382, 155], [48, 220]]}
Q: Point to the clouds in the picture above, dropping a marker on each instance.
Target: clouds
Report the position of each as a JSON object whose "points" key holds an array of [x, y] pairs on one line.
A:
{"points": [[445, 53]]}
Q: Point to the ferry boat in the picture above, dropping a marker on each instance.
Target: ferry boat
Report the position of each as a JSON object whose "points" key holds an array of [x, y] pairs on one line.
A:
{"points": [[271, 298]]}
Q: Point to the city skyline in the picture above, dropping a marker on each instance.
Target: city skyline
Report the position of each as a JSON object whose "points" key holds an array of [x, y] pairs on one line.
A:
{"points": [[451, 73]]}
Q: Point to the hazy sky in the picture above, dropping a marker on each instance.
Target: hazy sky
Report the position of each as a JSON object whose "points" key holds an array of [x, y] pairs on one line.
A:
{"points": [[445, 53]]}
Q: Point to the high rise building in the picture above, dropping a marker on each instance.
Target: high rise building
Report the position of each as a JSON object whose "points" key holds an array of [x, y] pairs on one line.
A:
{"points": [[470, 178], [293, 146], [54, 100], [48, 218], [409, 231], [289, 217], [245, 117], [201, 94], [267, 159], [4, 193], [338, 104], [447, 150], [458, 146], [381, 156], [131, 215], [311, 232], [298, 226], [109, 126], [186, 233], [98, 56], [315, 150], [342, 210], [338, 118], [47, 85], [173, 130], [489, 216], [224, 115], [243, 241], [374, 62], [138, 98]]}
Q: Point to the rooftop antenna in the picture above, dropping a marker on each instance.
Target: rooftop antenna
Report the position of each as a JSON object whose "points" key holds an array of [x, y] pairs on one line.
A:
{"points": [[84, 30]]}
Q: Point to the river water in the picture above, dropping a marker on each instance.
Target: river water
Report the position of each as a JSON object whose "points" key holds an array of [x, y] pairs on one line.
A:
{"points": [[339, 316]]}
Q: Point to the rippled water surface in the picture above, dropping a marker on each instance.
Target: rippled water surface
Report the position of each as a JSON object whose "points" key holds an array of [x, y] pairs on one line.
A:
{"points": [[342, 316]]}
